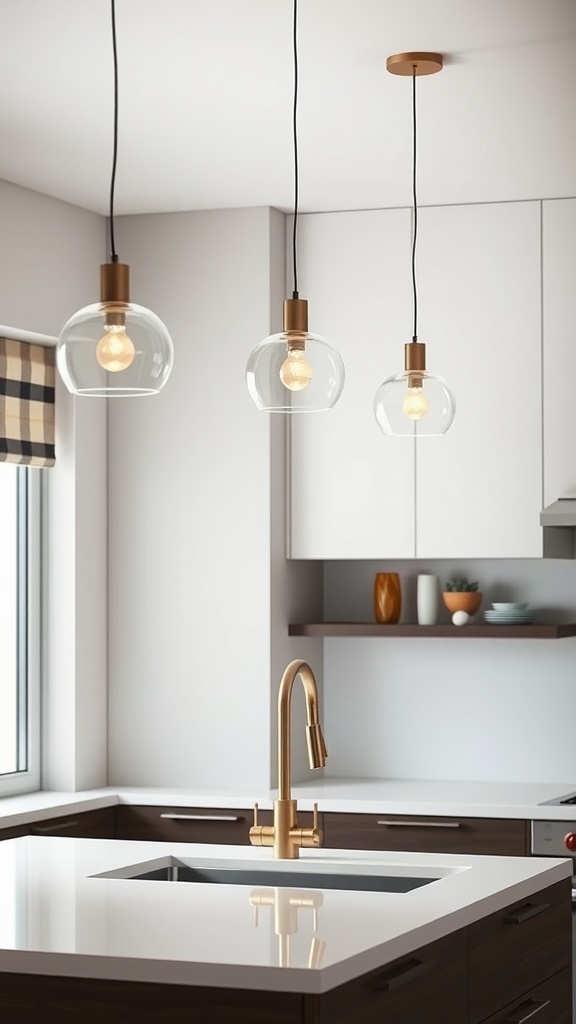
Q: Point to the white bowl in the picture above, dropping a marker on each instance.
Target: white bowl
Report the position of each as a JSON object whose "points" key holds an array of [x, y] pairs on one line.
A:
{"points": [[510, 606]]}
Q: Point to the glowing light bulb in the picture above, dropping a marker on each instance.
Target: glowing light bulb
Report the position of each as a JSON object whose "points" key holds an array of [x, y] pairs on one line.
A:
{"points": [[115, 351], [415, 404], [296, 372]]}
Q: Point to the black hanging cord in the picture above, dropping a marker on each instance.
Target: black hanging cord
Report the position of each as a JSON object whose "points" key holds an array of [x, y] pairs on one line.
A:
{"points": [[295, 136], [115, 148], [415, 208]]}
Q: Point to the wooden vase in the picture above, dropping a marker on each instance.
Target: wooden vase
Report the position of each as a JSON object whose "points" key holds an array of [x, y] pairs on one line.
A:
{"points": [[387, 597]]}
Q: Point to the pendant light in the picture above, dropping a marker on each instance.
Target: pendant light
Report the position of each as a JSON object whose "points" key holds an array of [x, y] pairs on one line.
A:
{"points": [[295, 371], [414, 403], [114, 348]]}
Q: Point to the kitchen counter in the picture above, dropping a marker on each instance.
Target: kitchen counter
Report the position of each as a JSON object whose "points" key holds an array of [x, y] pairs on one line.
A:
{"points": [[58, 919], [527, 801]]}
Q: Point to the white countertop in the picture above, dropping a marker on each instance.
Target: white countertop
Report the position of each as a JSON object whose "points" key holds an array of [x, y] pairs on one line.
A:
{"points": [[58, 919], [369, 796]]}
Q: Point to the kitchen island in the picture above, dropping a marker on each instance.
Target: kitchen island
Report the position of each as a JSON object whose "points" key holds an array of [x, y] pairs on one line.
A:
{"points": [[81, 935]]}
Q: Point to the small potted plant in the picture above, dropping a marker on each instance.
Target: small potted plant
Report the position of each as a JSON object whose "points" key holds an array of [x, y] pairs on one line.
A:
{"points": [[462, 595]]}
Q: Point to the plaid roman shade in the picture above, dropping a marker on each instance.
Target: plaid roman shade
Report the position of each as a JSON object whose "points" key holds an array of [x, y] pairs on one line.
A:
{"points": [[27, 383]]}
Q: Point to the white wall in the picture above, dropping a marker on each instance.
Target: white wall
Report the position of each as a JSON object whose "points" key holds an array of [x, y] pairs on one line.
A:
{"points": [[452, 709], [48, 269], [191, 625]]}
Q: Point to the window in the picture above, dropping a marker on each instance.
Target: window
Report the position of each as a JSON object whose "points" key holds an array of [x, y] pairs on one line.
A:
{"points": [[20, 633]]}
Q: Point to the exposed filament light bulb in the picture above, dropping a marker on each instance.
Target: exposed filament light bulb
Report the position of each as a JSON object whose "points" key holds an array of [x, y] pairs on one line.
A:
{"points": [[115, 351], [295, 372], [415, 404]]}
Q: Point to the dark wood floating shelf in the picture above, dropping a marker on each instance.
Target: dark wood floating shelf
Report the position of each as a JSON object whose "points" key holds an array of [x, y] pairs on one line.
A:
{"points": [[532, 631]]}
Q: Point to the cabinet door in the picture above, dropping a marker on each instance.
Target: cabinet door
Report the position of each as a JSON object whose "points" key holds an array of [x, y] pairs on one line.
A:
{"points": [[417, 834], [559, 262], [351, 488], [429, 986], [480, 485], [519, 947]]}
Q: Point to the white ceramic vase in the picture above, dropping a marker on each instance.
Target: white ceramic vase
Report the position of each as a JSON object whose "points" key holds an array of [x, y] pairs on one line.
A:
{"points": [[427, 599]]}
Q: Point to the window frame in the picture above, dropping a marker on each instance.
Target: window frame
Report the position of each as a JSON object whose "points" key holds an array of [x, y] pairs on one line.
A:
{"points": [[27, 777]]}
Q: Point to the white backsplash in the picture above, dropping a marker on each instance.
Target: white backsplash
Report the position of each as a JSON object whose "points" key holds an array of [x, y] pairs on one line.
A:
{"points": [[452, 709]]}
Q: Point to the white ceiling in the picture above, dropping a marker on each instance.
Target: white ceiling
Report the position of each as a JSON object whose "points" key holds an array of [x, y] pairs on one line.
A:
{"points": [[206, 102]]}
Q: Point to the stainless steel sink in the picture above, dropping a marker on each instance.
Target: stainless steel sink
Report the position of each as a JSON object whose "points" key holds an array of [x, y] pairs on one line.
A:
{"points": [[291, 878]]}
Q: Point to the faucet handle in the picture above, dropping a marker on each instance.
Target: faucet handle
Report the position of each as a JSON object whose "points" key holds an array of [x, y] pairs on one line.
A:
{"points": [[315, 816], [261, 835]]}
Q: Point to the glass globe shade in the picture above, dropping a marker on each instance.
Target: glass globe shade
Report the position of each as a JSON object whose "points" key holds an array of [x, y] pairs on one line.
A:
{"points": [[308, 379], [402, 410], [88, 370]]}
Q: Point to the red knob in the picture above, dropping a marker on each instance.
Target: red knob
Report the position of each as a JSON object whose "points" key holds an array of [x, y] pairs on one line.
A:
{"points": [[570, 841]]}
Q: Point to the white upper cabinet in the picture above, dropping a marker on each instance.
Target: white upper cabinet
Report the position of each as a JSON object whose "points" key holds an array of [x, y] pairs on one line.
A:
{"points": [[479, 490], [475, 492], [351, 488], [559, 261]]}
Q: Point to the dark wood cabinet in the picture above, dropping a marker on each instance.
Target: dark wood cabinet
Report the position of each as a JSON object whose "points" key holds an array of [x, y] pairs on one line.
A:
{"points": [[548, 1003], [532, 938], [184, 824], [429, 986], [423, 834], [26, 999], [98, 824], [226, 826]]}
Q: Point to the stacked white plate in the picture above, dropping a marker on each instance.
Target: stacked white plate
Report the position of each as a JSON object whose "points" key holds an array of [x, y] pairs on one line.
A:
{"points": [[509, 613]]}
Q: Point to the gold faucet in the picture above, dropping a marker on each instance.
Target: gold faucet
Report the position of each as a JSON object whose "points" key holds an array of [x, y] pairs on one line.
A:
{"points": [[285, 835]]}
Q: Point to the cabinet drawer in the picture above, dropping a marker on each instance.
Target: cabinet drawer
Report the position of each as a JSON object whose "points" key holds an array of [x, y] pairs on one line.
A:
{"points": [[219, 825], [548, 1003], [184, 824], [491, 836], [428, 986], [100, 824], [14, 833], [532, 938], [29, 999]]}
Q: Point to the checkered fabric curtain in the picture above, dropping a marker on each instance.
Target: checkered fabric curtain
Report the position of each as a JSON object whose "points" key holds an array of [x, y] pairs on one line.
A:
{"points": [[27, 386]]}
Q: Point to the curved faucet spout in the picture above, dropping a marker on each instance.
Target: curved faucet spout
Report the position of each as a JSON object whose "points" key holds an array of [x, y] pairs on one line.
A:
{"points": [[286, 835], [317, 752]]}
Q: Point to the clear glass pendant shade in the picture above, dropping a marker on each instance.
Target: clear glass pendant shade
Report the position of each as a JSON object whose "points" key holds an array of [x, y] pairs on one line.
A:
{"points": [[114, 350], [414, 407], [284, 377]]}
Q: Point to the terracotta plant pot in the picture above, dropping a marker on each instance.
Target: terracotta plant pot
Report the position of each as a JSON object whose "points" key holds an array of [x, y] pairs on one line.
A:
{"points": [[462, 601]]}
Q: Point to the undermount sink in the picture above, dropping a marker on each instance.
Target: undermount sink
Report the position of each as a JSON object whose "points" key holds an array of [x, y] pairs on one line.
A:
{"points": [[169, 869]]}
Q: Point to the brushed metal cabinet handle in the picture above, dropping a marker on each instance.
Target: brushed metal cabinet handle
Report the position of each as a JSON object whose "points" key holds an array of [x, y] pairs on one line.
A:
{"points": [[43, 830], [525, 913], [420, 824], [202, 817], [401, 975], [532, 1007]]}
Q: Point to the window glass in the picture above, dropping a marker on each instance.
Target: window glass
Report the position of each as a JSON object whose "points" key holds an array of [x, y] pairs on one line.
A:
{"points": [[20, 653]]}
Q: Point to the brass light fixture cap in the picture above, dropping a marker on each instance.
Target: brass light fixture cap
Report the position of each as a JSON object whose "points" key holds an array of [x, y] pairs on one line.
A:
{"points": [[296, 322], [415, 357], [417, 63], [114, 283]]}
